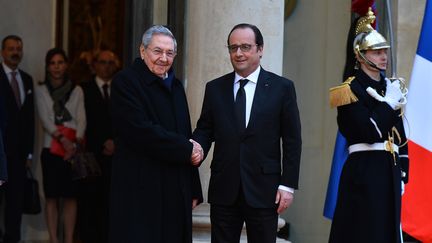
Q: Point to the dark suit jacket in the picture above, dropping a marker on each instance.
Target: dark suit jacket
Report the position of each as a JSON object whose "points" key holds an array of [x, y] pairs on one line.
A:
{"points": [[151, 169], [99, 124], [251, 159], [3, 168], [19, 123]]}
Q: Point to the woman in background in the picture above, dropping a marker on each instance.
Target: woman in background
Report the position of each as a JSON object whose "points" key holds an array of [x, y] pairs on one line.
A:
{"points": [[60, 106]]}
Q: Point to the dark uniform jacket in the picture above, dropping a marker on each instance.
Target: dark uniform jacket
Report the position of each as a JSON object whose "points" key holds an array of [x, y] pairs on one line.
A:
{"points": [[153, 181], [369, 198]]}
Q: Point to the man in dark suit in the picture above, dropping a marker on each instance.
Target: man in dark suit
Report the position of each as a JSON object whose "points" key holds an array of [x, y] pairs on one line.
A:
{"points": [[153, 185], [247, 113], [94, 197], [16, 90]]}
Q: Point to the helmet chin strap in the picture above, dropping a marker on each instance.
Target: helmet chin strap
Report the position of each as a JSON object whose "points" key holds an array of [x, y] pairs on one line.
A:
{"points": [[371, 64]]}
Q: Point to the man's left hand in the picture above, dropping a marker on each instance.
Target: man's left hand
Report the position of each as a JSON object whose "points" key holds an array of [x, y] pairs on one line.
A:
{"points": [[194, 202], [108, 147], [284, 199], [29, 163]]}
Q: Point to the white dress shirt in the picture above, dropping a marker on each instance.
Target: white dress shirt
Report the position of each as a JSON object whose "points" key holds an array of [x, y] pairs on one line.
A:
{"points": [[100, 83], [8, 72]]}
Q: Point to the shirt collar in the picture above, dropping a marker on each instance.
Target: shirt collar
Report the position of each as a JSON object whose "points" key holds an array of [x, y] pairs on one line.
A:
{"points": [[100, 82], [7, 69], [253, 77]]}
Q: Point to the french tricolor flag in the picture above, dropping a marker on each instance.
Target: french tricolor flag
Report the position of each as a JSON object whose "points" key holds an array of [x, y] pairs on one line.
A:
{"points": [[417, 199]]}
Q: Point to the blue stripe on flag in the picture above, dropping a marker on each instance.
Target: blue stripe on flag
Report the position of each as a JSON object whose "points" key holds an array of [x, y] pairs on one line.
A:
{"points": [[425, 43], [340, 154]]}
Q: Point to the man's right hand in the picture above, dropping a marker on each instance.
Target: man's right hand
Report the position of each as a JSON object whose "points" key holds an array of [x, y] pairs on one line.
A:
{"points": [[393, 97], [197, 153], [108, 147]]}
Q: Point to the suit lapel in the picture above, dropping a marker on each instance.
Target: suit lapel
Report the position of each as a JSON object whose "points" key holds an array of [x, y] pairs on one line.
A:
{"points": [[227, 97], [260, 96], [5, 81], [99, 96], [27, 87], [9, 95]]}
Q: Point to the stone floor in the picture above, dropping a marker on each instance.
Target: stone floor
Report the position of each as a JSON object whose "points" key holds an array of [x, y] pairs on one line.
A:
{"points": [[201, 227]]}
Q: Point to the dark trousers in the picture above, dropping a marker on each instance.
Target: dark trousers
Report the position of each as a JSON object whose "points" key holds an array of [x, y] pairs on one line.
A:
{"points": [[13, 192], [93, 205], [92, 212], [227, 223]]}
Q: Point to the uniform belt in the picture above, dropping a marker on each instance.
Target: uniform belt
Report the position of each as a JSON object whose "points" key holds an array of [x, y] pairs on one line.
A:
{"points": [[385, 146]]}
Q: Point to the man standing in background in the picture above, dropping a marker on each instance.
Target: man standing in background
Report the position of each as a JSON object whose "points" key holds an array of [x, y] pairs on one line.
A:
{"points": [[16, 90], [94, 192]]}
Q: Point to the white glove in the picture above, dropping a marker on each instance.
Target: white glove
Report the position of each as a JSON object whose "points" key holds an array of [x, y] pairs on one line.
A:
{"points": [[393, 97]]}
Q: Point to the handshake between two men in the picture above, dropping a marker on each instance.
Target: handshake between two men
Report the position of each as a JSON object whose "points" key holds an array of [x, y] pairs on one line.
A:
{"points": [[197, 153]]}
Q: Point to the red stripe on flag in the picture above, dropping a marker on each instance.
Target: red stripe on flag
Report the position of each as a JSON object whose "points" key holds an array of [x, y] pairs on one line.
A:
{"points": [[417, 199], [361, 6]]}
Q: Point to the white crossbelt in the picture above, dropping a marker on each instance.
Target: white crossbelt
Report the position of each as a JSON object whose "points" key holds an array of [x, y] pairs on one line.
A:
{"points": [[359, 147]]}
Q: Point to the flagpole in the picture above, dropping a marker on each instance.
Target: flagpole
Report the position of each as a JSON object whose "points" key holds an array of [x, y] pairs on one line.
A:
{"points": [[392, 46], [393, 67]]}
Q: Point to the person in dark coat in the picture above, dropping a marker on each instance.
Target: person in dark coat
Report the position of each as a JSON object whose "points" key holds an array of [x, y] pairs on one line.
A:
{"points": [[3, 163], [256, 159], [93, 198], [153, 185], [16, 90], [370, 118], [3, 168]]}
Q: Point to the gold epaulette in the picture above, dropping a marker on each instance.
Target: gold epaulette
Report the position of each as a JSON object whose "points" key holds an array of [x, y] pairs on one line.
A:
{"points": [[342, 94]]}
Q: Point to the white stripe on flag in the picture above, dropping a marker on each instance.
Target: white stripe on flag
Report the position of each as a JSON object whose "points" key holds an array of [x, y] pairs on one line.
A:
{"points": [[420, 103]]}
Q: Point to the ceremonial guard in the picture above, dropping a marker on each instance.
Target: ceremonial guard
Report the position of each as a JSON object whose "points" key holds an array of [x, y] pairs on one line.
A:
{"points": [[370, 113]]}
